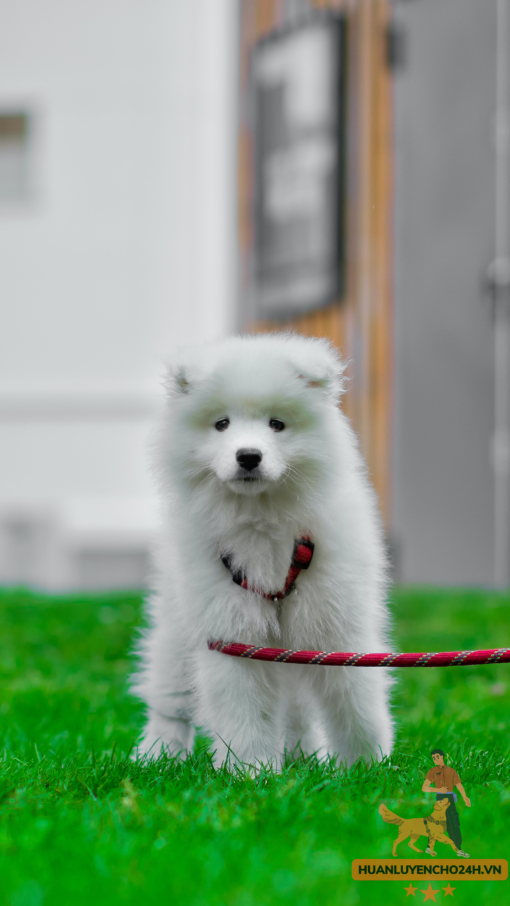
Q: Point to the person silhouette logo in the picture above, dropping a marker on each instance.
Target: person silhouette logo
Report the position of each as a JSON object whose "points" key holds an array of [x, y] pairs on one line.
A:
{"points": [[442, 780]]}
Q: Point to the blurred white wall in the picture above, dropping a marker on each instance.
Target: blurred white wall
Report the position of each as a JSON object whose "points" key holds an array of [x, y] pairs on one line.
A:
{"points": [[123, 249]]}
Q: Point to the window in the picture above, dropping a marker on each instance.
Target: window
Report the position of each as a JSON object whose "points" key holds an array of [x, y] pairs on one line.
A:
{"points": [[14, 157]]}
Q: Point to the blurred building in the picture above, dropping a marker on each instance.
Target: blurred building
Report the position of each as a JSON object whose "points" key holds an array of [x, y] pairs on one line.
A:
{"points": [[445, 101], [418, 88], [316, 180], [364, 152], [116, 200]]}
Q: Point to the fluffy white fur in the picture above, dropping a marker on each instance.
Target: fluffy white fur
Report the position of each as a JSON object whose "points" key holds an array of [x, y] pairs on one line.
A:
{"points": [[311, 480]]}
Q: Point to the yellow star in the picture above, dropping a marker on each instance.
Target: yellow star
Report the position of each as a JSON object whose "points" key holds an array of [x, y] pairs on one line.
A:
{"points": [[411, 891], [429, 893], [448, 891]]}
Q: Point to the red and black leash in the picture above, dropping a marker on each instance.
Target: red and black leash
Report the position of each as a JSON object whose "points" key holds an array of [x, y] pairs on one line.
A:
{"points": [[351, 659], [301, 559]]}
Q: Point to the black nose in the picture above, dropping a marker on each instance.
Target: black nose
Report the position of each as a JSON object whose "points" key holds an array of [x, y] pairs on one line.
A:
{"points": [[249, 459]]}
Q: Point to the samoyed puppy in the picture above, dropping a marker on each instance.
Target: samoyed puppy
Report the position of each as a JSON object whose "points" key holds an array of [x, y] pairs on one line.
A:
{"points": [[259, 473]]}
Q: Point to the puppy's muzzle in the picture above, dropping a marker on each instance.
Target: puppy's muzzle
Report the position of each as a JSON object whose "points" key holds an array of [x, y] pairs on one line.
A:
{"points": [[249, 460]]}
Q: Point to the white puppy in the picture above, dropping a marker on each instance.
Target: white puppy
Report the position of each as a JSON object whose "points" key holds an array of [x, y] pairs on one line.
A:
{"points": [[254, 454]]}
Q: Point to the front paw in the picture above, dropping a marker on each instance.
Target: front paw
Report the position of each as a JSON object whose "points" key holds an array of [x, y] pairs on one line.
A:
{"points": [[165, 736]]}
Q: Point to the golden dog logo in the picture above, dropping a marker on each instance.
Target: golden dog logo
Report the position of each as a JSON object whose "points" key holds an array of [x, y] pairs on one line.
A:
{"points": [[443, 824], [433, 827], [440, 826]]}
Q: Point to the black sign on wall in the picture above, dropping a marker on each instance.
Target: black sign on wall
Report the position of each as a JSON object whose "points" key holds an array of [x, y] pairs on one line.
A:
{"points": [[299, 138]]}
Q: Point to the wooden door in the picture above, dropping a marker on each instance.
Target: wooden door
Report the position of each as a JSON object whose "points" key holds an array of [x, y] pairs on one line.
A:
{"points": [[360, 324]]}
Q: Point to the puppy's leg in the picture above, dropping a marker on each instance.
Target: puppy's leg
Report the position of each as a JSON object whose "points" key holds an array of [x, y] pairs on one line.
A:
{"points": [[172, 735], [238, 705], [303, 736], [301, 715], [164, 684], [356, 713]]}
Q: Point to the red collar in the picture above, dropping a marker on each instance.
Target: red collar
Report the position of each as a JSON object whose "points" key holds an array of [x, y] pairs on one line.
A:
{"points": [[301, 559]]}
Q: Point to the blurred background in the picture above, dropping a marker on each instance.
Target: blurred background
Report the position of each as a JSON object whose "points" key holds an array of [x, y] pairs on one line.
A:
{"points": [[173, 170]]}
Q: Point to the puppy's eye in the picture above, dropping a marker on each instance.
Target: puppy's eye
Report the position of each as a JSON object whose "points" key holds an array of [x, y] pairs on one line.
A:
{"points": [[276, 424], [222, 424]]}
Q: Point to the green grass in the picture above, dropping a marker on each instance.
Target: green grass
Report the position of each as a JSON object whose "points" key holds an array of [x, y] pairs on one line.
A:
{"points": [[82, 824]]}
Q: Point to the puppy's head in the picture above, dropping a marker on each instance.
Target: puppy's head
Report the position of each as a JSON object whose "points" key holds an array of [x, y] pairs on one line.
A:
{"points": [[251, 412], [441, 805]]}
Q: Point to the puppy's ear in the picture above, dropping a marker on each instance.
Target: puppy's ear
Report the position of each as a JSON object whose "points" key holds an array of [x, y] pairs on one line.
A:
{"points": [[330, 380], [182, 385], [176, 381], [185, 370], [314, 382]]}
